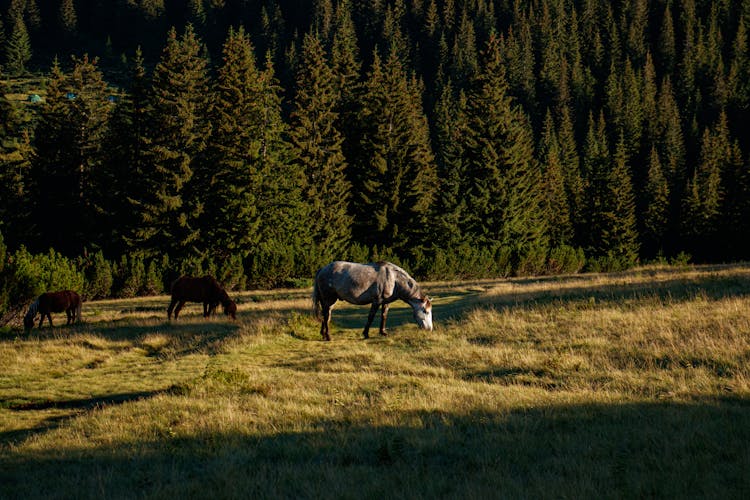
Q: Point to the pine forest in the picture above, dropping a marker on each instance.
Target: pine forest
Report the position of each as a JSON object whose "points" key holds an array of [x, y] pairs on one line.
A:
{"points": [[259, 139]]}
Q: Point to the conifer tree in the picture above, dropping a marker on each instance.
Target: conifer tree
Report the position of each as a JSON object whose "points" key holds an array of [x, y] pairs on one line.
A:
{"points": [[571, 167], [656, 208], [318, 149], [232, 164], [14, 164], [284, 228], [704, 198], [69, 155], [504, 195], [555, 200], [393, 176], [67, 17], [125, 162], [177, 129], [450, 204], [17, 49]]}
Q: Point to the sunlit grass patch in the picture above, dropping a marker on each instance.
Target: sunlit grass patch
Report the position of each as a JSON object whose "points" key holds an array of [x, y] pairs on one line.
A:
{"points": [[633, 384]]}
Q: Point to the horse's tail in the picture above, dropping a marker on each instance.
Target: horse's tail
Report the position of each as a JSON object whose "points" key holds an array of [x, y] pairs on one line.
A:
{"points": [[316, 298]]}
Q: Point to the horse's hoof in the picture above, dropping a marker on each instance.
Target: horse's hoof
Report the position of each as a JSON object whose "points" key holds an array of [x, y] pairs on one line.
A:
{"points": [[384, 334]]}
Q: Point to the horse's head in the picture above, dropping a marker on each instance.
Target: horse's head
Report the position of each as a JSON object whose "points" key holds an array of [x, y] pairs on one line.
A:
{"points": [[422, 308], [230, 308]]}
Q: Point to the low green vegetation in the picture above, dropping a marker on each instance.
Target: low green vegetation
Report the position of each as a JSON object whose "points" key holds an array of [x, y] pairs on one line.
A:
{"points": [[633, 384]]}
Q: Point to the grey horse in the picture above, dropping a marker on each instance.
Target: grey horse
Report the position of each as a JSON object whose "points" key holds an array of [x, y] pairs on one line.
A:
{"points": [[377, 283]]}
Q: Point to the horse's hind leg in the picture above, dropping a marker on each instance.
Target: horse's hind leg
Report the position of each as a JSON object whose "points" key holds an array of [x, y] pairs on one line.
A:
{"points": [[69, 313], [49, 317], [383, 317], [326, 310]]}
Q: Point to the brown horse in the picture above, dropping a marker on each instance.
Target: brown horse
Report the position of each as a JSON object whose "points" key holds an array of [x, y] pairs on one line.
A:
{"points": [[49, 302], [205, 289]]}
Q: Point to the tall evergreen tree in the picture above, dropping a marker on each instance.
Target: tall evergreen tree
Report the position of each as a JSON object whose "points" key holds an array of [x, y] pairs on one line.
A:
{"points": [[655, 208], [555, 199], [125, 162], [69, 155], [504, 195], [318, 149], [67, 18], [17, 49], [393, 176], [231, 220], [176, 132], [450, 204]]}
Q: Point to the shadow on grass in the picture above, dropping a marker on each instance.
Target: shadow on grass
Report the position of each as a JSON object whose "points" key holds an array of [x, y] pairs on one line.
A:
{"points": [[673, 450], [77, 406]]}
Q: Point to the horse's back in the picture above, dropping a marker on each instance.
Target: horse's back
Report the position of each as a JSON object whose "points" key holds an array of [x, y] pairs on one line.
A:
{"points": [[196, 289], [58, 301], [353, 282]]}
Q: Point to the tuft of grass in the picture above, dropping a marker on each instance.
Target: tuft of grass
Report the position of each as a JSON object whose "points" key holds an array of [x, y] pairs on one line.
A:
{"points": [[629, 384]]}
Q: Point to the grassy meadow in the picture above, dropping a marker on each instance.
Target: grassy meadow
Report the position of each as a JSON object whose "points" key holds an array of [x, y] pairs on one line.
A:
{"points": [[634, 384]]}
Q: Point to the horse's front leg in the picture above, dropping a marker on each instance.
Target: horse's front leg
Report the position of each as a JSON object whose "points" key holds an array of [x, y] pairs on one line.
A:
{"points": [[179, 308], [172, 303], [69, 314], [206, 309], [383, 317], [370, 317], [49, 318]]}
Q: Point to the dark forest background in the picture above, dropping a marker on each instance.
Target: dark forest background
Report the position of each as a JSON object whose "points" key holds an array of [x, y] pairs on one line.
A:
{"points": [[259, 139]]}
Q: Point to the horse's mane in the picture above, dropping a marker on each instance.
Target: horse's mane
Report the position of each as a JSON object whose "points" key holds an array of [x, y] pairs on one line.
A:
{"points": [[414, 288]]}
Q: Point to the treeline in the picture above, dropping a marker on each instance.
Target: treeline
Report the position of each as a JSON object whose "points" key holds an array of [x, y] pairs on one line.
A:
{"points": [[463, 137]]}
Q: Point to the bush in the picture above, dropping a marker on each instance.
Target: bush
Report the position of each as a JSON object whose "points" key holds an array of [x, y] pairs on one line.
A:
{"points": [[532, 262], [98, 275], [129, 276], [231, 273], [466, 262], [565, 260]]}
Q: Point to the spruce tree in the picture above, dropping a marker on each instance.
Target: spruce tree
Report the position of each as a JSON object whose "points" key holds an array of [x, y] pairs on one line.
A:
{"points": [[232, 160], [504, 206], [450, 122], [17, 49], [176, 131], [393, 176], [125, 163], [318, 149], [68, 143], [555, 200], [656, 208]]}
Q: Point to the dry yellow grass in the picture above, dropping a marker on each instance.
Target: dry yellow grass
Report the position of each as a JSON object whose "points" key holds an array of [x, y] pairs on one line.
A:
{"points": [[626, 385]]}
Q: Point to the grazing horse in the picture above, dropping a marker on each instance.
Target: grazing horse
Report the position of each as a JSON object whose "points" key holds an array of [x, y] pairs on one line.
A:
{"points": [[49, 302], [205, 289], [378, 284]]}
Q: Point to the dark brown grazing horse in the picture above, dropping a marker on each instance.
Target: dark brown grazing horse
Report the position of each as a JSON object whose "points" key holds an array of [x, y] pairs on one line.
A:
{"points": [[49, 302], [205, 289]]}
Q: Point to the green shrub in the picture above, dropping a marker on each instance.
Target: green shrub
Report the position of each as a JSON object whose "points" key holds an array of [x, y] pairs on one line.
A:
{"points": [[129, 276], [565, 260], [98, 276], [152, 280], [532, 262], [231, 273]]}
